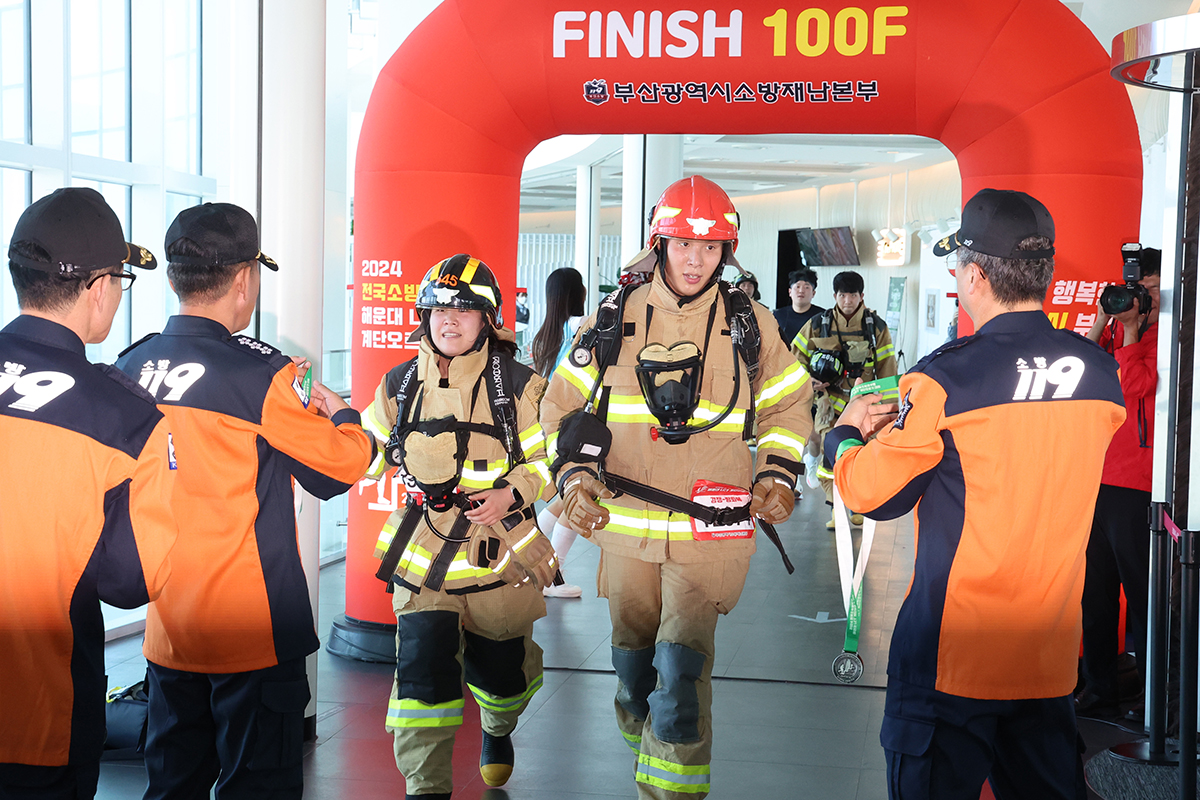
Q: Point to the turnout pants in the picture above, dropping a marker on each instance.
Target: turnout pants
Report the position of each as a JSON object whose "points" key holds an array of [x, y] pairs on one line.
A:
{"points": [[823, 423], [486, 635], [243, 731], [664, 619]]}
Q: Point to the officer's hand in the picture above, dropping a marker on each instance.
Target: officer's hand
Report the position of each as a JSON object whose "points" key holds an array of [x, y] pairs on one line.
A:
{"points": [[583, 514], [867, 413], [772, 501], [817, 385], [327, 401], [494, 507]]}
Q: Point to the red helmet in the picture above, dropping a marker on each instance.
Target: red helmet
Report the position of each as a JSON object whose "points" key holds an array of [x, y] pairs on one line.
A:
{"points": [[694, 208]]}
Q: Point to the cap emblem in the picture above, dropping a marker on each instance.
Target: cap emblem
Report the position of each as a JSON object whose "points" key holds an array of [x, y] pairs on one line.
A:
{"points": [[701, 226]]}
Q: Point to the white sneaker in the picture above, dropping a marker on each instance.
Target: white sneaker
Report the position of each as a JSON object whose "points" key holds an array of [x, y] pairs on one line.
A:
{"points": [[565, 590], [811, 464]]}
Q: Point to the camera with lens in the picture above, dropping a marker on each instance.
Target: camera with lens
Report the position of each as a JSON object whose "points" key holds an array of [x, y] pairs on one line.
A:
{"points": [[1119, 299]]}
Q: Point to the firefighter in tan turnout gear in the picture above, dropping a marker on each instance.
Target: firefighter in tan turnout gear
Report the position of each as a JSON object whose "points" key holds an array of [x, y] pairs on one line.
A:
{"points": [[464, 557], [836, 347], [657, 399]]}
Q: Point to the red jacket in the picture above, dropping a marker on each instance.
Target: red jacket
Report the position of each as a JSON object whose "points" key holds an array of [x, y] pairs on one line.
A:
{"points": [[1127, 462]]}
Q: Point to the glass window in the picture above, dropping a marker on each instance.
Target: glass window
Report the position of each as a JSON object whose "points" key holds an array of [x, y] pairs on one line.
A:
{"points": [[14, 71], [181, 85], [100, 78], [15, 186], [118, 196]]}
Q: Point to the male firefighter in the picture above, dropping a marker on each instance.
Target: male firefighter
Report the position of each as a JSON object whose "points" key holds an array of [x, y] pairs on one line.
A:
{"points": [[837, 347], [657, 399]]}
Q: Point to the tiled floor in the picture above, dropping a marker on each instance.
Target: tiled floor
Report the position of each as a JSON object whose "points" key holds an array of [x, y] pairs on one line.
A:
{"points": [[783, 728]]}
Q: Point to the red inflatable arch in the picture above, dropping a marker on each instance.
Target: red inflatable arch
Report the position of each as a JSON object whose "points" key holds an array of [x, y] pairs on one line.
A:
{"points": [[1018, 90]]}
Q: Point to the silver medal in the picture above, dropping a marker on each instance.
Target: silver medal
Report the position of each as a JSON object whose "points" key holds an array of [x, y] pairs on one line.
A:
{"points": [[847, 667]]}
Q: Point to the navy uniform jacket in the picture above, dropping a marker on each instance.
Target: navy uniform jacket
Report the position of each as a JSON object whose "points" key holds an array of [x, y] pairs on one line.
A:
{"points": [[999, 446], [86, 478], [244, 431]]}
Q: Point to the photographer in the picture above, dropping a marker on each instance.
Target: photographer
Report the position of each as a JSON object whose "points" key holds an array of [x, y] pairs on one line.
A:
{"points": [[1118, 550]]}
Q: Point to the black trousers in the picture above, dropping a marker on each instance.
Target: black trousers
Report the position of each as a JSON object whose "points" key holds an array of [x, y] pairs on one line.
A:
{"points": [[943, 746], [31, 782], [1118, 554], [242, 731]]}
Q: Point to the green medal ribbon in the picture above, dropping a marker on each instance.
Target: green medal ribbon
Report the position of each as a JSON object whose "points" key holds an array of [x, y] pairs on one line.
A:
{"points": [[848, 667]]}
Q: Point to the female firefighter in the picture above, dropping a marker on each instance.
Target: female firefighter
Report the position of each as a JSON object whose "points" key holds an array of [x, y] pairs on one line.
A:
{"points": [[464, 558], [656, 399]]}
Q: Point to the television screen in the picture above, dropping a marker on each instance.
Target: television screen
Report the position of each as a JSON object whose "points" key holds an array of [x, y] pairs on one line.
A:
{"points": [[827, 247]]}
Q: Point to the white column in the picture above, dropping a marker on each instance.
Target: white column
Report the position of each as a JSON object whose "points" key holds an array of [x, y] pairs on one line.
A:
{"points": [[649, 164], [292, 223], [633, 214], [587, 229]]}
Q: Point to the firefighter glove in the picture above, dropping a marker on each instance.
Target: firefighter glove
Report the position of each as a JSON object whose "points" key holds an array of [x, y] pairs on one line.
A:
{"points": [[583, 514], [530, 559], [772, 501]]}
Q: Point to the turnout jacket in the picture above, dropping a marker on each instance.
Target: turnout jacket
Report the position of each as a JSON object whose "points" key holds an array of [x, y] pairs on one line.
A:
{"points": [[879, 363], [999, 445], [780, 398], [465, 397], [85, 515], [239, 598]]}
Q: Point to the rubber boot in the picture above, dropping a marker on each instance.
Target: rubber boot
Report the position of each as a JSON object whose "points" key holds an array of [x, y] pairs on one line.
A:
{"points": [[496, 759]]}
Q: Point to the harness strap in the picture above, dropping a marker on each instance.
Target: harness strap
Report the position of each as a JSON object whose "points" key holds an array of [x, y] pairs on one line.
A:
{"points": [[682, 505], [441, 564], [391, 558]]}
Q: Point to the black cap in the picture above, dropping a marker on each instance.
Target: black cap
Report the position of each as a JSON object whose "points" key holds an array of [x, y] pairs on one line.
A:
{"points": [[996, 221], [80, 232], [226, 233]]}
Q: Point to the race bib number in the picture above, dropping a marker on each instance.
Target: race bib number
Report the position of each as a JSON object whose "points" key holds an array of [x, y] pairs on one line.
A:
{"points": [[718, 495]]}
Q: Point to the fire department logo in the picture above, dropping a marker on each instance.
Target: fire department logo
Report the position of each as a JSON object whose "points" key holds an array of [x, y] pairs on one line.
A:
{"points": [[596, 92]]}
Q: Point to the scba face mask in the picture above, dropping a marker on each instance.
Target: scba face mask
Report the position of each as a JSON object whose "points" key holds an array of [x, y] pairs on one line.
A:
{"points": [[433, 453], [669, 378]]}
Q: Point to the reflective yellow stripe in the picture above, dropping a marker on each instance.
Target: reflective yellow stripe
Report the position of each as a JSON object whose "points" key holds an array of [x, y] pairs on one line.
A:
{"points": [[582, 378], [375, 423], [531, 439], [648, 524], [801, 344], [386, 534], [782, 438], [838, 403], [634, 741], [416, 559], [501, 705], [469, 270], [780, 386], [673, 777], [884, 352], [632, 410], [552, 447], [406, 713]]}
